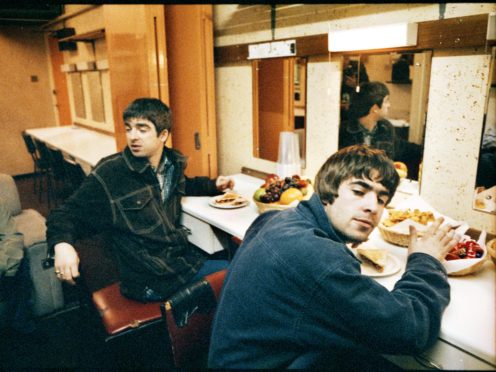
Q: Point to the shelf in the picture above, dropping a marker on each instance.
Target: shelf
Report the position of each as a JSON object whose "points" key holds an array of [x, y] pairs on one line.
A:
{"points": [[86, 37]]}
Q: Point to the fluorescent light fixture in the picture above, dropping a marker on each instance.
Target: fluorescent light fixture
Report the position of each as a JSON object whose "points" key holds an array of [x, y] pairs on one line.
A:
{"points": [[102, 64], [85, 66], [68, 67], [286, 48], [374, 37]]}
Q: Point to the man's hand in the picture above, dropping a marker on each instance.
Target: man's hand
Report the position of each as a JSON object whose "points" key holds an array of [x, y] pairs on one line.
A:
{"points": [[66, 262], [436, 242], [223, 183]]}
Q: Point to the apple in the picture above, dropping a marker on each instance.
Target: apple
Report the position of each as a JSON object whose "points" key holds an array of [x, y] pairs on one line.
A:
{"points": [[401, 169]]}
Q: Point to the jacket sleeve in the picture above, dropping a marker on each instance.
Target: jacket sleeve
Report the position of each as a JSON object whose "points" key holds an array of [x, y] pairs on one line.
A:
{"points": [[406, 320], [201, 186], [86, 211]]}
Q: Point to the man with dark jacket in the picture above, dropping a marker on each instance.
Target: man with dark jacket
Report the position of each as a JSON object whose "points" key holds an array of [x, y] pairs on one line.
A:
{"points": [[135, 197], [294, 295], [367, 124]]}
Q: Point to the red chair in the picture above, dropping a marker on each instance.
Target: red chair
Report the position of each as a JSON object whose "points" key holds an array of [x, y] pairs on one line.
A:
{"points": [[121, 315], [189, 315]]}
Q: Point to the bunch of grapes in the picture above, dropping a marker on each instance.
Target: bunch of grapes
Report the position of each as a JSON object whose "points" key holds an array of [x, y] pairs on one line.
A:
{"points": [[275, 186]]}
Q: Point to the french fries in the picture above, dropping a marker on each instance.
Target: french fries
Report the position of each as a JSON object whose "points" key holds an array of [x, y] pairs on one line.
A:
{"points": [[396, 216]]}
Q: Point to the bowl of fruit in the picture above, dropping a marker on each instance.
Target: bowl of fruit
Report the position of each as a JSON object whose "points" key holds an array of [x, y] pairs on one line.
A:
{"points": [[279, 193]]}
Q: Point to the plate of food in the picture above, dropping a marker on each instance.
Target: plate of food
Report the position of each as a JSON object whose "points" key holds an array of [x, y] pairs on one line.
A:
{"points": [[229, 200], [377, 262]]}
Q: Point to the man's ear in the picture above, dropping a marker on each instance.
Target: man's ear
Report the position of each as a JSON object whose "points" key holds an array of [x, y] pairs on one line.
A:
{"points": [[163, 135], [374, 109]]}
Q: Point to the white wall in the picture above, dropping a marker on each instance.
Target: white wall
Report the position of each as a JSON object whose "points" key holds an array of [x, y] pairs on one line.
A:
{"points": [[452, 76]]}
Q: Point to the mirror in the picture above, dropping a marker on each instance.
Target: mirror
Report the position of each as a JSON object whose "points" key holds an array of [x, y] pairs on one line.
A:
{"points": [[485, 184], [279, 104], [401, 77]]}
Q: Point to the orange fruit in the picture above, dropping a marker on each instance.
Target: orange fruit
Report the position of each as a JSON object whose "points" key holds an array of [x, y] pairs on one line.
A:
{"points": [[290, 195]]}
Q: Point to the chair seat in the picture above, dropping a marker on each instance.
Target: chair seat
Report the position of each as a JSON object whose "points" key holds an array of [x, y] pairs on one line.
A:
{"points": [[120, 314]]}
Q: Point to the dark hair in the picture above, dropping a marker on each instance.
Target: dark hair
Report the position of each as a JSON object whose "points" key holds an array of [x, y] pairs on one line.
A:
{"points": [[370, 94], [351, 69], [357, 161], [151, 109]]}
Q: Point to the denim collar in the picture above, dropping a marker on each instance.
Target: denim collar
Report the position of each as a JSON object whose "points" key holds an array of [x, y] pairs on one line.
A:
{"points": [[354, 127], [138, 164]]}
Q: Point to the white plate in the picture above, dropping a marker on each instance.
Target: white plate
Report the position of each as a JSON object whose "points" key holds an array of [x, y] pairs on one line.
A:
{"points": [[392, 267], [244, 203]]}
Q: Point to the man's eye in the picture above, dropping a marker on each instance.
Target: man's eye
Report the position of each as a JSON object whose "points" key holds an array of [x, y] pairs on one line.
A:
{"points": [[128, 129], [358, 192], [381, 201]]}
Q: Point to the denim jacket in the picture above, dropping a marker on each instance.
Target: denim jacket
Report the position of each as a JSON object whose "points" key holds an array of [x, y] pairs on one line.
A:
{"points": [[294, 296], [121, 197]]}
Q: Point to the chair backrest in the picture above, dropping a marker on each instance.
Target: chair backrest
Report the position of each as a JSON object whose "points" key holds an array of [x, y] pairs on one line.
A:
{"points": [[28, 140], [74, 173], [189, 315], [57, 163], [44, 154]]}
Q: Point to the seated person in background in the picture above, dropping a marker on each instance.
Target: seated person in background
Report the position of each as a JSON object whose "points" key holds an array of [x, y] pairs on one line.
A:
{"points": [[135, 196], [352, 77], [367, 124], [294, 295]]}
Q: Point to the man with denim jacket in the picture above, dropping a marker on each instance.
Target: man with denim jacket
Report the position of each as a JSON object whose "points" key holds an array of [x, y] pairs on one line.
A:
{"points": [[135, 196], [294, 295]]}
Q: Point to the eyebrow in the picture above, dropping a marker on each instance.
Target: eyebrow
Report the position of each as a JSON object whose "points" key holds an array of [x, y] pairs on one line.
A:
{"points": [[367, 186], [139, 125]]}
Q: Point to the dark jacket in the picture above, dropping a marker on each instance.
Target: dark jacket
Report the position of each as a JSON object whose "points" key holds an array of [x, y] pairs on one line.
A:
{"points": [[294, 297], [384, 137], [121, 197]]}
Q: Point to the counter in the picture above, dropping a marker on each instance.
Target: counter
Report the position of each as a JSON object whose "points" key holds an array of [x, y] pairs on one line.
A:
{"points": [[467, 339], [85, 146]]}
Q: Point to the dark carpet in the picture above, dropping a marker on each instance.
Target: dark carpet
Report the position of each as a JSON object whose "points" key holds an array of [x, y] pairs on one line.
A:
{"points": [[73, 338]]}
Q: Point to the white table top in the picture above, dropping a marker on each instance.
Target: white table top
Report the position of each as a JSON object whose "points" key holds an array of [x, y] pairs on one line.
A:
{"points": [[83, 144], [233, 221], [469, 320]]}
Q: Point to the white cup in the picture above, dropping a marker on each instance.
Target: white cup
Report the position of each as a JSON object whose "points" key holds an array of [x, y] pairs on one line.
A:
{"points": [[288, 162]]}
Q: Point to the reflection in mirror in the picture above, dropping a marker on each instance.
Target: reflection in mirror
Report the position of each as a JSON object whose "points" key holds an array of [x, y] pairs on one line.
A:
{"points": [[485, 185], [387, 109], [279, 104]]}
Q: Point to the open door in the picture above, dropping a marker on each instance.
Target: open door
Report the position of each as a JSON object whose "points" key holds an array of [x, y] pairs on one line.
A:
{"points": [[191, 86]]}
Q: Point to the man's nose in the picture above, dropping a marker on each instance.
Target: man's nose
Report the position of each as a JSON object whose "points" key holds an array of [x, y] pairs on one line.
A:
{"points": [[371, 203], [133, 133]]}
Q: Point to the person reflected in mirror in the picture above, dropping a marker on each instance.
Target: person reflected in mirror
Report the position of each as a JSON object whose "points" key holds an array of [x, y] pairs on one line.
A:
{"points": [[354, 73], [294, 295], [367, 124], [135, 197], [486, 169]]}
